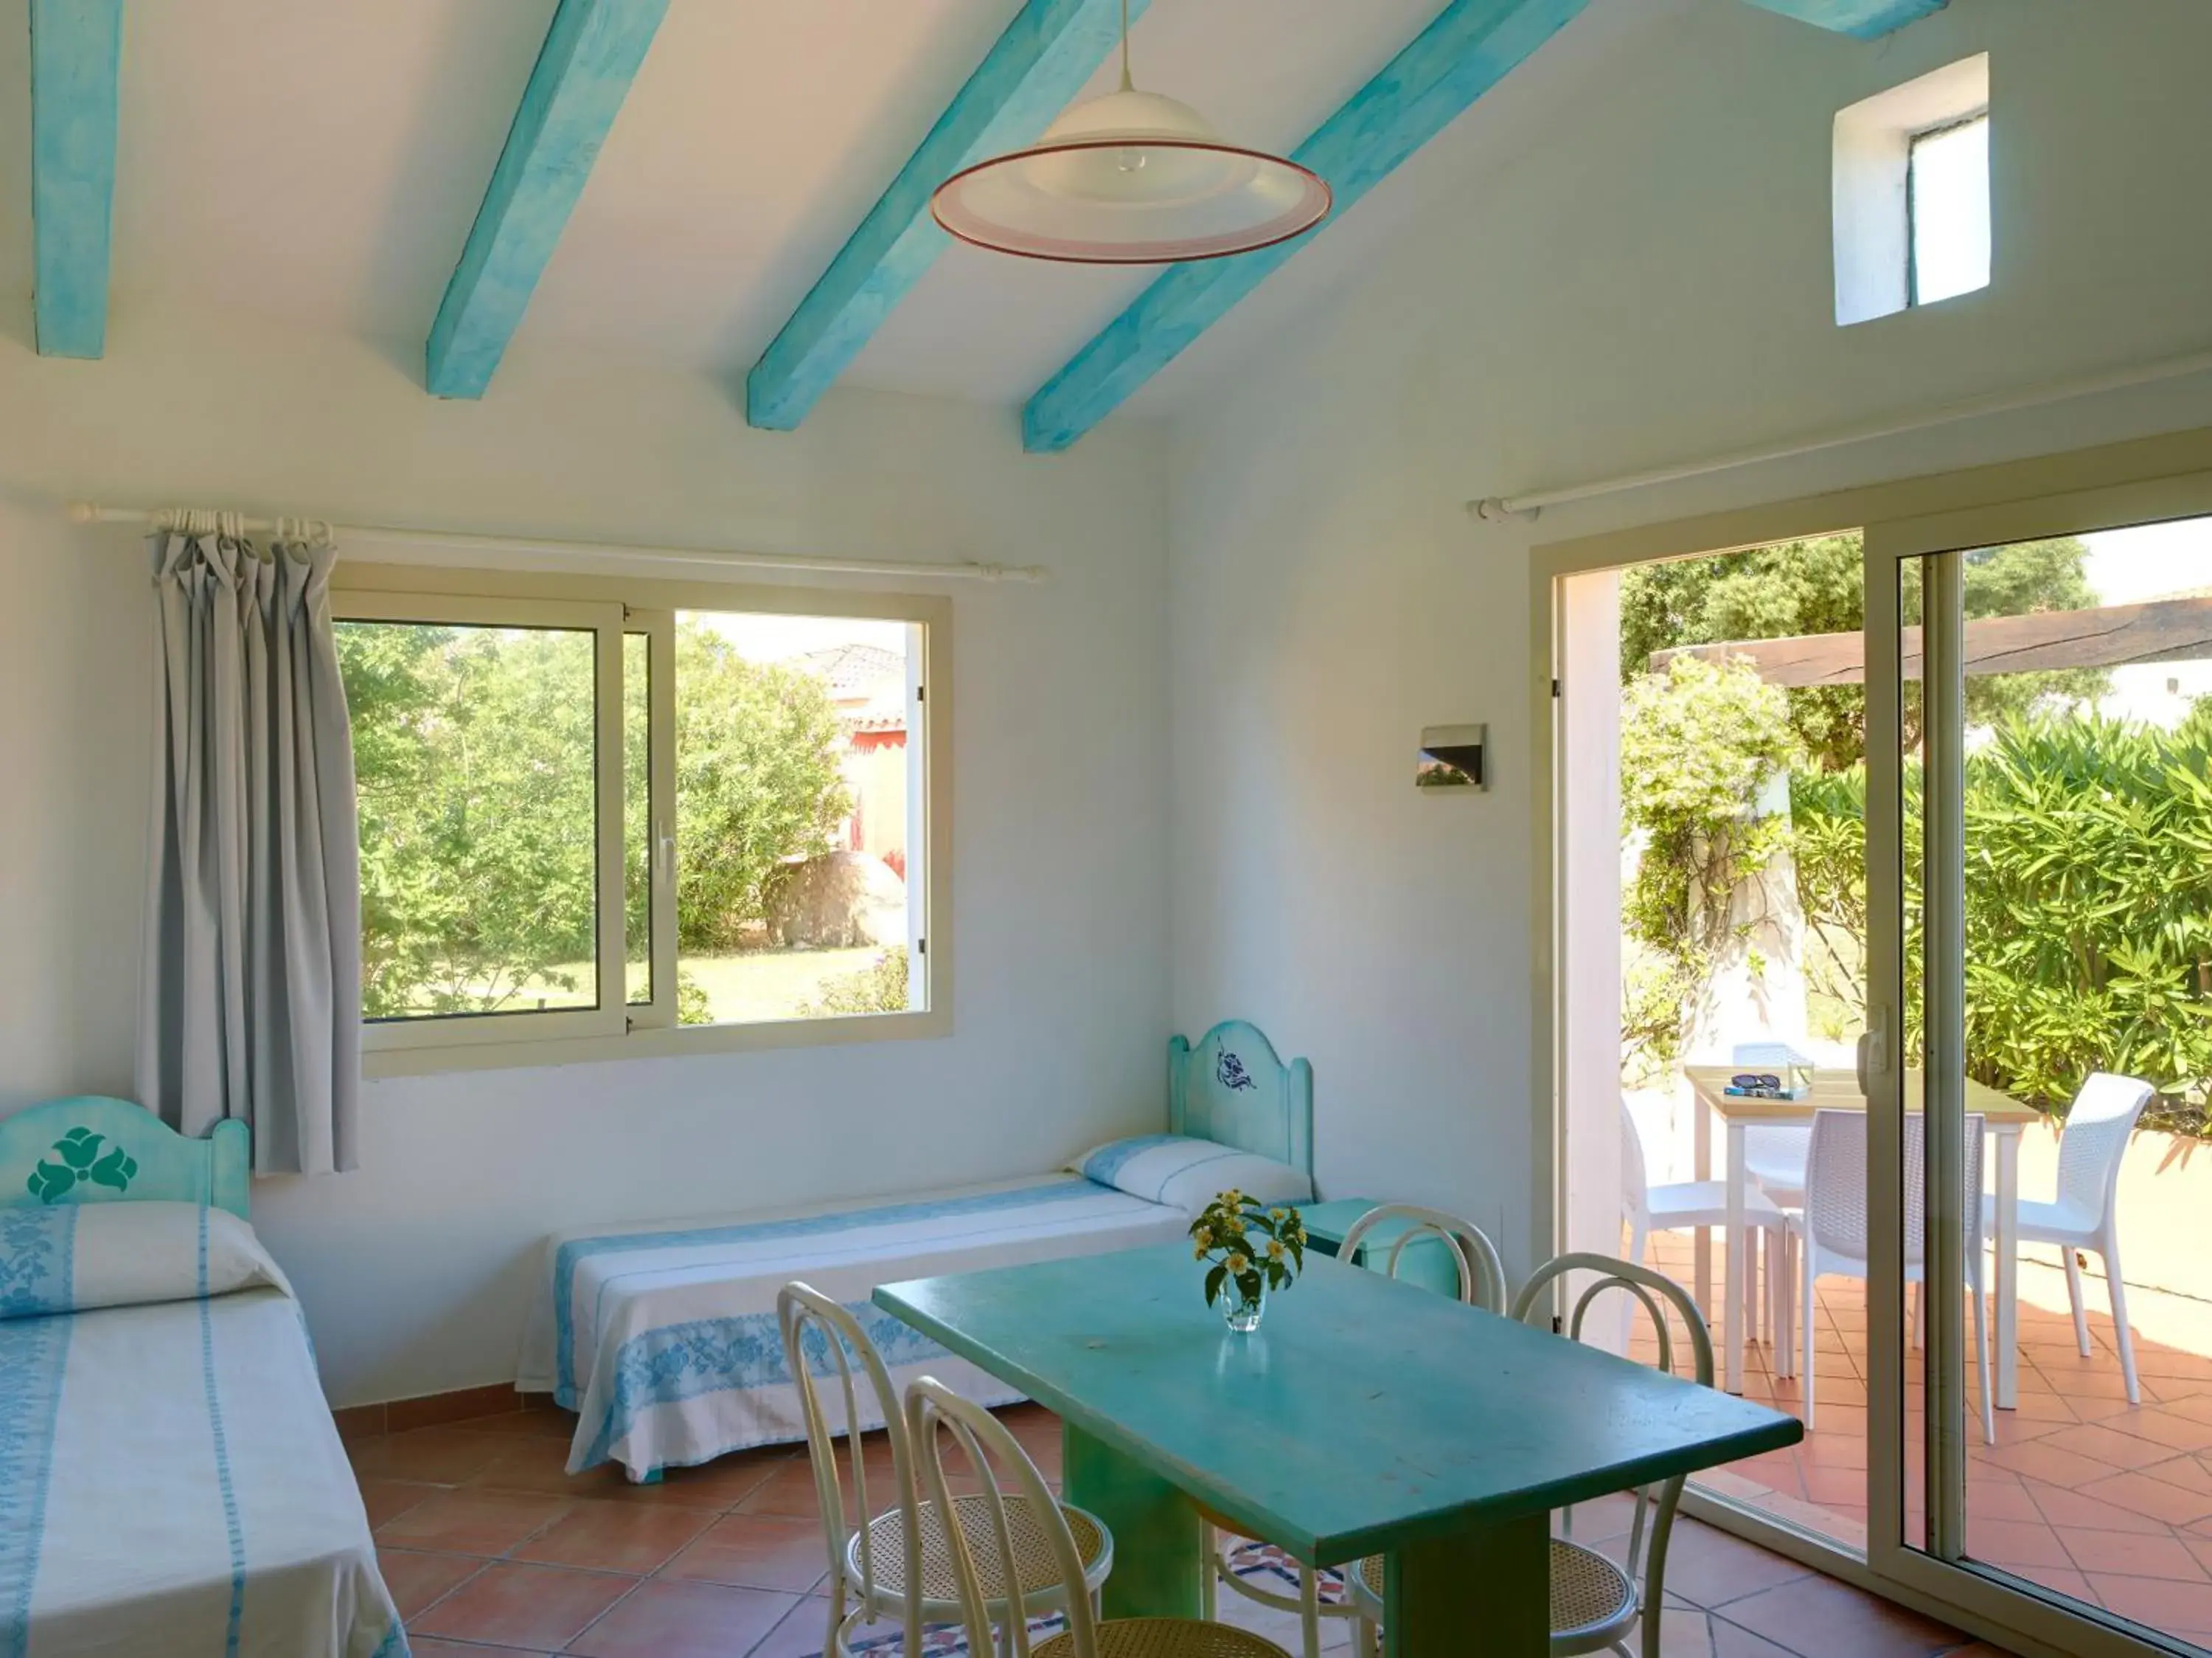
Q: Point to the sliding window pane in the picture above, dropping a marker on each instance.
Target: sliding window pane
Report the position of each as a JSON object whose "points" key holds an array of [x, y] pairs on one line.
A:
{"points": [[475, 754], [797, 764]]}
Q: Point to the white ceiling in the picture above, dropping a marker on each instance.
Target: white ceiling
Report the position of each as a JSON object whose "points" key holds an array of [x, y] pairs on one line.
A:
{"points": [[321, 163]]}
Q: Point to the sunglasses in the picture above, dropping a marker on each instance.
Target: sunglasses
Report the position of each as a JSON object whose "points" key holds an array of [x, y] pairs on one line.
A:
{"points": [[1759, 1079]]}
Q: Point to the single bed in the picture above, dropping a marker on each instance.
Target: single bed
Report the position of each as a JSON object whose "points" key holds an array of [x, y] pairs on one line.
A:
{"points": [[171, 1480], [662, 1337]]}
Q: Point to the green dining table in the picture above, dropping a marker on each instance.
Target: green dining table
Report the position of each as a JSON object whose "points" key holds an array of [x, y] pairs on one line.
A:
{"points": [[1366, 1415]]}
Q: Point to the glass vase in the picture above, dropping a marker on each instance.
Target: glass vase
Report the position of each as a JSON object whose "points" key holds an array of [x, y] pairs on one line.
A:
{"points": [[1240, 1312]]}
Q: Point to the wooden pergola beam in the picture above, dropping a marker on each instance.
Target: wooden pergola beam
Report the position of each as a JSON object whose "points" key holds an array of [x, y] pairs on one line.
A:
{"points": [[2162, 631]]}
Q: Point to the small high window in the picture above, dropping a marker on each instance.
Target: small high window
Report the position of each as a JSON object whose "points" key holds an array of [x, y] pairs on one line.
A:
{"points": [[1947, 198], [1911, 182]]}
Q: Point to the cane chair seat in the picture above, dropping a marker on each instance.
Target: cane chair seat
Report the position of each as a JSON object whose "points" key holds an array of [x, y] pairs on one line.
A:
{"points": [[1166, 1638], [1592, 1599], [1033, 1558]]}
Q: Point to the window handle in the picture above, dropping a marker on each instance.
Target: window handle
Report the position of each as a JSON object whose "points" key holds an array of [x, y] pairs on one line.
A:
{"points": [[663, 853]]}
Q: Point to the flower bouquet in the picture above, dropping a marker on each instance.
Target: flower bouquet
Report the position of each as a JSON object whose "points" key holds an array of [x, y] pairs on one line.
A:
{"points": [[1253, 1247]]}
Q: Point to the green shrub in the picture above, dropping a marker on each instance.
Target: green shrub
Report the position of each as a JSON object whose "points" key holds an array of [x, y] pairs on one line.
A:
{"points": [[2088, 904], [880, 987]]}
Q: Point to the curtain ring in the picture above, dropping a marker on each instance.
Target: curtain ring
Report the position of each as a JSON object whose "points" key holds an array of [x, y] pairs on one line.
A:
{"points": [[231, 524]]}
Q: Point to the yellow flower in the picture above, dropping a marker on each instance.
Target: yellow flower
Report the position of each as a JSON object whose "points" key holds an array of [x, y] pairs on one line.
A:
{"points": [[1238, 1265], [1199, 1253], [1205, 1238], [1274, 1249], [1278, 1214]]}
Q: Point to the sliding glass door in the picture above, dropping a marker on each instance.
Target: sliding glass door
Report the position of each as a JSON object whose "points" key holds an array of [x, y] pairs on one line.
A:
{"points": [[2037, 1061]]}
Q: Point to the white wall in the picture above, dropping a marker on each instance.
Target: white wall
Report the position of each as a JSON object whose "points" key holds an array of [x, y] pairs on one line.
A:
{"points": [[413, 1268], [1642, 277]]}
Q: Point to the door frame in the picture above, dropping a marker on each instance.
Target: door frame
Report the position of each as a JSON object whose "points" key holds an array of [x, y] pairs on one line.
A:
{"points": [[2105, 487]]}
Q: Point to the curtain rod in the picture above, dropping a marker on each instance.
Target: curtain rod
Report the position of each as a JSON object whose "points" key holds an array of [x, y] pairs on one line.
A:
{"points": [[172, 518], [1525, 508]]}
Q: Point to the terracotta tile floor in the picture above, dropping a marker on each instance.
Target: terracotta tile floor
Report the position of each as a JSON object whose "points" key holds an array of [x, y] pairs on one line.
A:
{"points": [[2082, 1492], [490, 1548]]}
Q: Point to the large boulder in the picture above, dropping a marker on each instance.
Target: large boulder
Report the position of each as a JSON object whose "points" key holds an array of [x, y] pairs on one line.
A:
{"points": [[840, 900]]}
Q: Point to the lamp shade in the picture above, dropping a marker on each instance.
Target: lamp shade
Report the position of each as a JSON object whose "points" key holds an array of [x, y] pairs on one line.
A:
{"points": [[1133, 178]]}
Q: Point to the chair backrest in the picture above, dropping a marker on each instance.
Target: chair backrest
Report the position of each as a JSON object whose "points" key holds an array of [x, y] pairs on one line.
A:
{"points": [[1691, 1358], [2097, 1125], [993, 1456], [1836, 1185], [1481, 1272], [820, 1336], [1635, 1171]]}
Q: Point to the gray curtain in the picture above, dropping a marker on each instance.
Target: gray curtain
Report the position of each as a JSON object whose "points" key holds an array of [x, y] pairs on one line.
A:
{"points": [[250, 1006]]}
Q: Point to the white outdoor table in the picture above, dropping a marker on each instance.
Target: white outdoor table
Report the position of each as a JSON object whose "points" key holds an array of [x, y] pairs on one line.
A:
{"points": [[2003, 1118]]}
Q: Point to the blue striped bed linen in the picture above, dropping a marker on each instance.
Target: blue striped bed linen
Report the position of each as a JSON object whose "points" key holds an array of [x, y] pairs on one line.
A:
{"points": [[171, 1481], [663, 1338]]}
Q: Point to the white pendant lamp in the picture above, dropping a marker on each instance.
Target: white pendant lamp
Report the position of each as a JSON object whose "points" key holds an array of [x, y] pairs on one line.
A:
{"points": [[1132, 177]]}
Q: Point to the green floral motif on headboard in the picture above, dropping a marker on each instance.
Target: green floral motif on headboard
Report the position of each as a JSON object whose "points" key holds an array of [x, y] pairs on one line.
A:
{"points": [[79, 1151]]}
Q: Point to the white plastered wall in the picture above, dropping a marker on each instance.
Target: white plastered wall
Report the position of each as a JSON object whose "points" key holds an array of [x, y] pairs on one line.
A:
{"points": [[414, 1269], [1645, 277]]}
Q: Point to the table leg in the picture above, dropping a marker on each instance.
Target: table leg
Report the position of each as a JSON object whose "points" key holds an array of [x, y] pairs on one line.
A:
{"points": [[2006, 1387], [1159, 1539], [1732, 1298], [1481, 1592], [1701, 1245]]}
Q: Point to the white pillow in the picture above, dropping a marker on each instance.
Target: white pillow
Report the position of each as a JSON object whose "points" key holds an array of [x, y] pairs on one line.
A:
{"points": [[1185, 1173], [69, 1257]]}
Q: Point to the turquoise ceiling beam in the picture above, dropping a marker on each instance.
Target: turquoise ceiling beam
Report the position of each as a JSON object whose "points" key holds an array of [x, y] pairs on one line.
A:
{"points": [[77, 51], [591, 53], [1038, 66], [1862, 20], [1471, 47]]}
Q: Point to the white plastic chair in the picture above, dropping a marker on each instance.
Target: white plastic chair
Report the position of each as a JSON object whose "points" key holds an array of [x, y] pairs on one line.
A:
{"points": [[1010, 1528], [1481, 1283], [1832, 1228], [1596, 1601], [872, 1561], [2086, 1213], [1691, 1206]]}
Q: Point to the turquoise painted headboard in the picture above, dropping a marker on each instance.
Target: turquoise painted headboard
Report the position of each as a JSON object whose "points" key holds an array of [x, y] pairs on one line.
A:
{"points": [[1229, 1087], [93, 1149]]}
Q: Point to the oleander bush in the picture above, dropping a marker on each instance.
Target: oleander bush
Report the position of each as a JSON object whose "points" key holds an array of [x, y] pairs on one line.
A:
{"points": [[2088, 903]]}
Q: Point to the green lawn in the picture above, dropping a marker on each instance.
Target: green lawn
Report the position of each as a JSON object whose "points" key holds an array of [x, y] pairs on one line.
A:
{"points": [[743, 987], [762, 984]]}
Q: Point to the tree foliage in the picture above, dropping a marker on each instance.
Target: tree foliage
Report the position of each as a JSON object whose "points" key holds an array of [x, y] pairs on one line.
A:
{"points": [[756, 782], [1791, 589], [474, 757], [1697, 744]]}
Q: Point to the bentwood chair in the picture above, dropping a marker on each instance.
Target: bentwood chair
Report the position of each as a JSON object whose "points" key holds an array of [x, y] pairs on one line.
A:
{"points": [[1596, 1600], [1481, 1283], [1011, 1527], [2085, 1212], [873, 1559], [1832, 1228]]}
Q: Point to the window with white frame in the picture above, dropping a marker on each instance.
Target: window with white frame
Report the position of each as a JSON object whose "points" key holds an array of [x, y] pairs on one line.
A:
{"points": [[639, 818], [1911, 193]]}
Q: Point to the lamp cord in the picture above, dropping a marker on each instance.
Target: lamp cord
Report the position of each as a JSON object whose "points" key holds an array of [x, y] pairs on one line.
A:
{"points": [[1126, 84]]}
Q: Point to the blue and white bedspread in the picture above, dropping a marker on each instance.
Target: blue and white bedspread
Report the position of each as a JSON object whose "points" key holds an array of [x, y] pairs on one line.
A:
{"points": [[663, 1338], [170, 1482]]}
